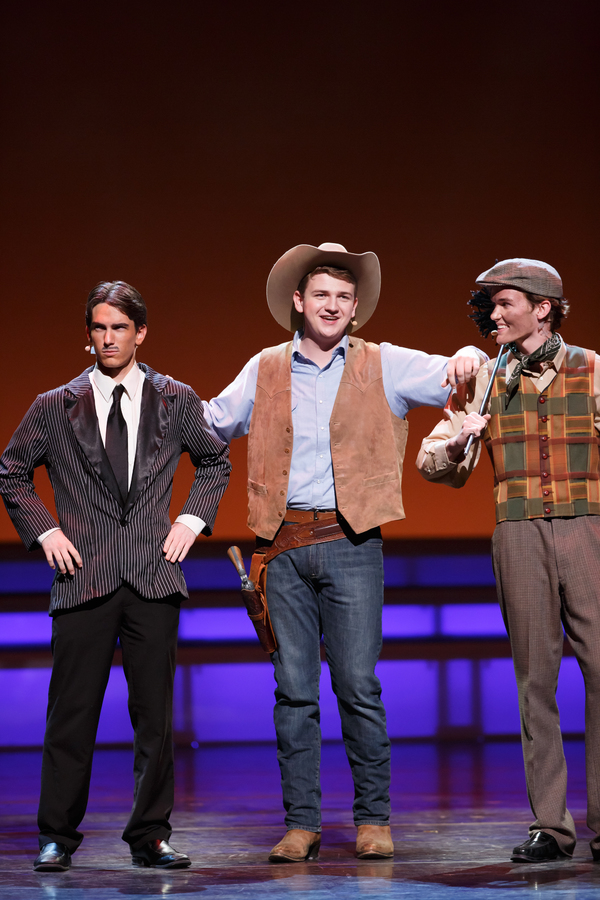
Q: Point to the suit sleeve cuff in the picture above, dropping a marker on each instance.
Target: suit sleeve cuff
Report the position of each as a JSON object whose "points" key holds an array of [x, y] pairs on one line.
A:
{"points": [[194, 522], [43, 536]]}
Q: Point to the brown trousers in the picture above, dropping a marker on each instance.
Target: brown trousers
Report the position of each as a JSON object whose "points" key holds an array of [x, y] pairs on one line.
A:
{"points": [[548, 576]]}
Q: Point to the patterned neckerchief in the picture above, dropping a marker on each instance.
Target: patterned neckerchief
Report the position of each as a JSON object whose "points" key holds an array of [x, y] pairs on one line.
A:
{"points": [[545, 353]]}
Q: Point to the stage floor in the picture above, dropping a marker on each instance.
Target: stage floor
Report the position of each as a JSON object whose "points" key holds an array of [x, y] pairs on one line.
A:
{"points": [[457, 812]]}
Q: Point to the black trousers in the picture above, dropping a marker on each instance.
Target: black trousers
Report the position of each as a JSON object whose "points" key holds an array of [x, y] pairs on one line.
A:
{"points": [[83, 644]]}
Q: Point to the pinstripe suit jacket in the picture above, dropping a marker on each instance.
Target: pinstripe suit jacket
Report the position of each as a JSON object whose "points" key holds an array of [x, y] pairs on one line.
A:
{"points": [[117, 543]]}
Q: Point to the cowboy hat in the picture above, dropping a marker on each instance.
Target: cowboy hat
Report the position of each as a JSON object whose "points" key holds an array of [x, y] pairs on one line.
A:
{"points": [[290, 269]]}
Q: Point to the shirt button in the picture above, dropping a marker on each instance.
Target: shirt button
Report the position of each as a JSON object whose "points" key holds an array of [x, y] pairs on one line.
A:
{"points": [[544, 418], [318, 481], [320, 456], [544, 456], [322, 428], [320, 401]]}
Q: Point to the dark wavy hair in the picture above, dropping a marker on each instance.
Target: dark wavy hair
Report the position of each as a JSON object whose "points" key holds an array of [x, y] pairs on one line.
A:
{"points": [[120, 295]]}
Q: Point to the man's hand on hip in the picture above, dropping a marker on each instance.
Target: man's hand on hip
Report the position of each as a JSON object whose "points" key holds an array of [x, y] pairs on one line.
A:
{"points": [[59, 549], [178, 543]]}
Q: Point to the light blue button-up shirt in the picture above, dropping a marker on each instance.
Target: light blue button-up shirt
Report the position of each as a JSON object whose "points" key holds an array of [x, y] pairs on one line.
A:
{"points": [[410, 378]]}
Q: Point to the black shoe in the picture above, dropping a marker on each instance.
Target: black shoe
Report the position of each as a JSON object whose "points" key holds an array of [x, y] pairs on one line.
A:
{"points": [[53, 858], [541, 847], [159, 855]]}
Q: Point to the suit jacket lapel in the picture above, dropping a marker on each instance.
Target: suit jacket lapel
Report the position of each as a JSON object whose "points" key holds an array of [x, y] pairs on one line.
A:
{"points": [[154, 419], [81, 410]]}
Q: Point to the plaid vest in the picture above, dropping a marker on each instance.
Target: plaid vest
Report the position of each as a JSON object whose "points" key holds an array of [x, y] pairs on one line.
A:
{"points": [[544, 447]]}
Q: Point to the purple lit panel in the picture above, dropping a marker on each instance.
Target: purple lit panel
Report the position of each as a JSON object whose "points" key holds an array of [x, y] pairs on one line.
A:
{"points": [[459, 682], [216, 625], [410, 696], [444, 571], [31, 577], [472, 619], [24, 697], [24, 694], [570, 696], [500, 704], [408, 621], [25, 628]]}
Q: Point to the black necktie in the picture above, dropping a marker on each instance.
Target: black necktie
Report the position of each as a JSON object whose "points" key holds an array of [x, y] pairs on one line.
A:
{"points": [[116, 442]]}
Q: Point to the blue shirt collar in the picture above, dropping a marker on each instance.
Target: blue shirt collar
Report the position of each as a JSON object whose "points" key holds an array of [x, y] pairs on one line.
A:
{"points": [[340, 350]]}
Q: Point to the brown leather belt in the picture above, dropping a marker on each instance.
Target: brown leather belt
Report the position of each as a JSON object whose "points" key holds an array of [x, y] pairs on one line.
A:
{"points": [[300, 516]]}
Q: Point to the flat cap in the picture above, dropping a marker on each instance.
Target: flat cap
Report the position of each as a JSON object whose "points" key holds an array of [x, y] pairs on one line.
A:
{"points": [[528, 275]]}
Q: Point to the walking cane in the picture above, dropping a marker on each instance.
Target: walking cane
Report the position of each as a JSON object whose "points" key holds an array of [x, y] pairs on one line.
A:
{"points": [[486, 396]]}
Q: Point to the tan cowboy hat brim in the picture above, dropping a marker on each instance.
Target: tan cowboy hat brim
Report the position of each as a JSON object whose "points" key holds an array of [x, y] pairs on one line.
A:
{"points": [[291, 268]]}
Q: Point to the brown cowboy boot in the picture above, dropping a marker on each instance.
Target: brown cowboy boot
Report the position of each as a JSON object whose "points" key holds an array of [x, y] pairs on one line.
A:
{"points": [[296, 846], [374, 842]]}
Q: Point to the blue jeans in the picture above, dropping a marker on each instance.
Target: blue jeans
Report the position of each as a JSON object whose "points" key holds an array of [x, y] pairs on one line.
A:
{"points": [[334, 589]]}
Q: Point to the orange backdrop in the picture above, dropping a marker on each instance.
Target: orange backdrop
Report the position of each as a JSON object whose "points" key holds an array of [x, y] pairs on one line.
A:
{"points": [[184, 146]]}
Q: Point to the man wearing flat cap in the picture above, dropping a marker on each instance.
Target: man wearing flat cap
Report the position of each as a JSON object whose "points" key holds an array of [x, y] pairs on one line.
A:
{"points": [[325, 413], [541, 432]]}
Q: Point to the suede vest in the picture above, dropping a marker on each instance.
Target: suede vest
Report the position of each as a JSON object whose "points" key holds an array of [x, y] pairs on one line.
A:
{"points": [[367, 442], [544, 447]]}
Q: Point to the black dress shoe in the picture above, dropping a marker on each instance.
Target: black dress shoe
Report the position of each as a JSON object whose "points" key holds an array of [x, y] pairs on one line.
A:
{"points": [[159, 855], [541, 847], [53, 858]]}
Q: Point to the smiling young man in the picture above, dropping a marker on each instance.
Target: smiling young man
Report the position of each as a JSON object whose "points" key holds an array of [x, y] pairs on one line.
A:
{"points": [[542, 436], [111, 440], [325, 414]]}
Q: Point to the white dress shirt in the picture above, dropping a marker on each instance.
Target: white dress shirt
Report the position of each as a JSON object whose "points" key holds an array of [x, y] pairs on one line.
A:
{"points": [[131, 405]]}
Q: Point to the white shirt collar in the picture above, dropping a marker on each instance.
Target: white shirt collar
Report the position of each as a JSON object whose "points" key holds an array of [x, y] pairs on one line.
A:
{"points": [[106, 384]]}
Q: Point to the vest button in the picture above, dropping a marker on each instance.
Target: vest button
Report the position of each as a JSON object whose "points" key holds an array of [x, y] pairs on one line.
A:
{"points": [[287, 449], [542, 400], [547, 510], [284, 472], [544, 474], [545, 437], [546, 493], [280, 514], [544, 456], [281, 492], [544, 418], [288, 430]]}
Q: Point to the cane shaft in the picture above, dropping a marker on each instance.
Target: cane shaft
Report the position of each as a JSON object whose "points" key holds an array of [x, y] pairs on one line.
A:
{"points": [[486, 397]]}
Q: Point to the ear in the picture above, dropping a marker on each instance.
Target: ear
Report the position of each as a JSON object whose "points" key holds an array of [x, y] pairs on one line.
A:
{"points": [[298, 302], [140, 335], [542, 309]]}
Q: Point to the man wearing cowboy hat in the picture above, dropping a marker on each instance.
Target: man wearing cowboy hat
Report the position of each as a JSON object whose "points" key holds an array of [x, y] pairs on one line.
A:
{"points": [[325, 418], [542, 436]]}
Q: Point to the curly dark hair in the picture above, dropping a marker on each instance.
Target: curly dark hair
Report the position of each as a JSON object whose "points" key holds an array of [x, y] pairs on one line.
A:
{"points": [[482, 303]]}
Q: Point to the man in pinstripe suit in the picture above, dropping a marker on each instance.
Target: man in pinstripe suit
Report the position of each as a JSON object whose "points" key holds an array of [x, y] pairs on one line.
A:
{"points": [[111, 440]]}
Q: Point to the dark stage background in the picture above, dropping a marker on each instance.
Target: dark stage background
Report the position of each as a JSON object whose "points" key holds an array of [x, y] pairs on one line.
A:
{"points": [[183, 147]]}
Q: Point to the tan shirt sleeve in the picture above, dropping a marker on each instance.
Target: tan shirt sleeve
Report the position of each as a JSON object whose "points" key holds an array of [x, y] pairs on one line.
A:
{"points": [[432, 461]]}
